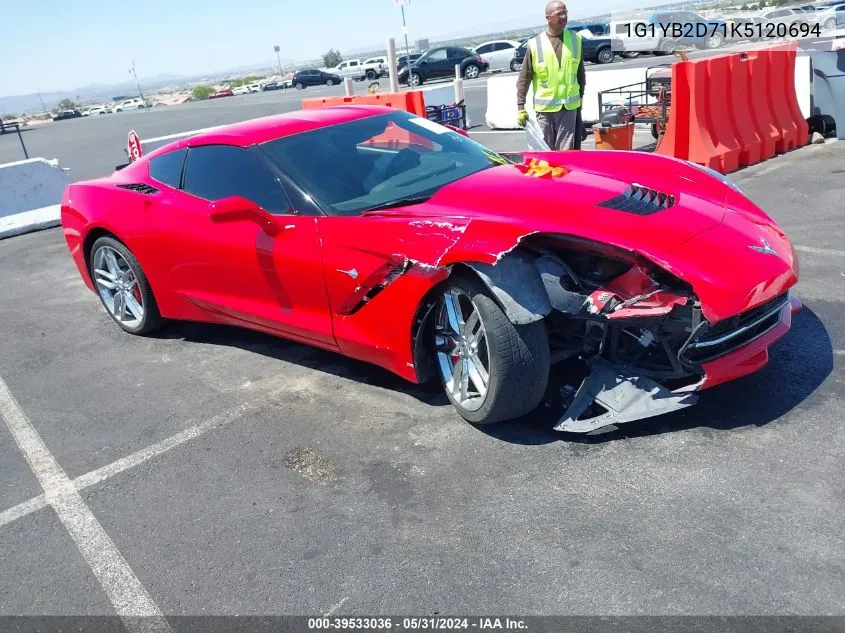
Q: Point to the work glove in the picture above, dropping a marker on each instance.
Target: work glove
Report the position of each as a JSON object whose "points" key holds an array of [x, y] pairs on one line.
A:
{"points": [[522, 118]]}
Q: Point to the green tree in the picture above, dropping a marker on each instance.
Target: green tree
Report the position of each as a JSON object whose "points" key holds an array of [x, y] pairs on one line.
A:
{"points": [[66, 104], [201, 93], [332, 58]]}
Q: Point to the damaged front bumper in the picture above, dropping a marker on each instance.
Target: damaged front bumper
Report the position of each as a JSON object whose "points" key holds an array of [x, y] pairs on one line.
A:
{"points": [[612, 394], [643, 337]]}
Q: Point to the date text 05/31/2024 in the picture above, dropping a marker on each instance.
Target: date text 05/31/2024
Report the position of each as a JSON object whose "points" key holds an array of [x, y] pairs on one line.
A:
{"points": [[416, 624], [744, 30]]}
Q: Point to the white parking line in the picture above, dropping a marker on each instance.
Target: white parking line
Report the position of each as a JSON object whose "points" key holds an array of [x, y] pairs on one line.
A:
{"points": [[819, 251], [130, 461], [117, 579]]}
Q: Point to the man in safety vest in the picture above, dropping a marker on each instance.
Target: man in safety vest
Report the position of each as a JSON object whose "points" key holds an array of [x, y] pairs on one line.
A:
{"points": [[555, 66]]}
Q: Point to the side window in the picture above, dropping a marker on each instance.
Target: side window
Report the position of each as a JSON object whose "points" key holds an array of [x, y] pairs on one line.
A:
{"points": [[219, 171], [167, 168], [437, 56], [481, 50], [459, 53]]}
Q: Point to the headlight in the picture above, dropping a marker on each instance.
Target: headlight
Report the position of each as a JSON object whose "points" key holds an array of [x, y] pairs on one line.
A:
{"points": [[718, 176]]}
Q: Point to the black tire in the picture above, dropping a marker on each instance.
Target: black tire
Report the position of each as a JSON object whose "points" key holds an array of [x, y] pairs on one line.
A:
{"points": [[666, 47], [330, 82], [631, 54], [152, 319], [515, 66], [299, 85], [518, 358], [714, 41], [604, 56], [467, 71], [371, 75], [419, 79]]}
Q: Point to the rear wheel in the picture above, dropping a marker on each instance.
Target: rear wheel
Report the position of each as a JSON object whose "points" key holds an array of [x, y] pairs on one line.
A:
{"points": [[122, 287], [471, 71], [491, 369], [330, 82], [414, 79], [515, 66], [299, 85]]}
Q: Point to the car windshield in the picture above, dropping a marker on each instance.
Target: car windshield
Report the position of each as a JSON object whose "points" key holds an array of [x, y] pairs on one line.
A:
{"points": [[378, 161]]}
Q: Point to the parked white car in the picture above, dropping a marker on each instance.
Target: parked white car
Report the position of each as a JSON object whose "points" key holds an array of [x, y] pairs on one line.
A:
{"points": [[240, 90], [97, 110], [826, 16], [131, 104], [497, 53]]}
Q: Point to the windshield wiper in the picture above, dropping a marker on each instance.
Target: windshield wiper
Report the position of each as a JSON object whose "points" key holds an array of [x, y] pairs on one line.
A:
{"points": [[397, 203]]}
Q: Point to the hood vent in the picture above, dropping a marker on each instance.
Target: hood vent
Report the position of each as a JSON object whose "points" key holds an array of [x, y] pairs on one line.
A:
{"points": [[140, 187], [640, 201]]}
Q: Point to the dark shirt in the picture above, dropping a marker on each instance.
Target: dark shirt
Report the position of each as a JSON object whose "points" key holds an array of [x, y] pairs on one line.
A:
{"points": [[523, 84]]}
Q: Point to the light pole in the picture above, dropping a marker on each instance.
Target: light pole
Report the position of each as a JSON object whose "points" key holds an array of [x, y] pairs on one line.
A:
{"points": [[401, 4], [278, 59], [137, 83]]}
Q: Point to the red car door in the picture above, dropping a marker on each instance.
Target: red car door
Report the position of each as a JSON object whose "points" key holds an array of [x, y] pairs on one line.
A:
{"points": [[243, 271]]}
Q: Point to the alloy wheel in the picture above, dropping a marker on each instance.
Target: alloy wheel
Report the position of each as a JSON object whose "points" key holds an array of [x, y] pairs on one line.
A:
{"points": [[463, 354], [118, 287]]}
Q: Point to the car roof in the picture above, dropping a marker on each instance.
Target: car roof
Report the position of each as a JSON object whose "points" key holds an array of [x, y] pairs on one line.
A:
{"points": [[263, 129]]}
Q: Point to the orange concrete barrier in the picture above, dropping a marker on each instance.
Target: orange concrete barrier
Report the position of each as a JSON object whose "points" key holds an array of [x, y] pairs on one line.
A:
{"points": [[741, 113], [411, 101], [760, 108], [735, 110]]}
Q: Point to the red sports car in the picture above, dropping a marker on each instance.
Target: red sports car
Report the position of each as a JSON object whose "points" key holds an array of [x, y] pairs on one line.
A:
{"points": [[397, 241]]}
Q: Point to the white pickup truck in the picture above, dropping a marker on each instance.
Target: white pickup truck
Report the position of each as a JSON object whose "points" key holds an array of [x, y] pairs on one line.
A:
{"points": [[371, 69]]}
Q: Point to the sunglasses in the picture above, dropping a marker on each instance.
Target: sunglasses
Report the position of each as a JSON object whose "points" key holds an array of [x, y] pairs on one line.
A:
{"points": [[557, 14]]}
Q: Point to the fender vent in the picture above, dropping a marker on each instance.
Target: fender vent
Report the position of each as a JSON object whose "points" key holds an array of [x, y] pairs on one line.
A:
{"points": [[140, 188], [640, 201]]}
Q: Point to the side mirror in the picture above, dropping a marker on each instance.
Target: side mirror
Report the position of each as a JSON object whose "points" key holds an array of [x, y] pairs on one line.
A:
{"points": [[238, 208]]}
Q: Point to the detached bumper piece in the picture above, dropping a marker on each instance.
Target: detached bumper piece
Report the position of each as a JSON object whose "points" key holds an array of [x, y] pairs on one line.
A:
{"points": [[624, 397]]}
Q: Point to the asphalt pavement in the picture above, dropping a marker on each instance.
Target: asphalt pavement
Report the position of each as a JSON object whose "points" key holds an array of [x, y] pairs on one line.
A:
{"points": [[235, 473]]}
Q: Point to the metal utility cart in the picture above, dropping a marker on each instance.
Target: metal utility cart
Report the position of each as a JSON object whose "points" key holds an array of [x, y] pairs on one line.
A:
{"points": [[455, 114], [644, 102]]}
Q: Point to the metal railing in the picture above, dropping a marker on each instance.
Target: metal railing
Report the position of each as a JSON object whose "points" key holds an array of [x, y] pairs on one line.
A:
{"points": [[10, 128]]}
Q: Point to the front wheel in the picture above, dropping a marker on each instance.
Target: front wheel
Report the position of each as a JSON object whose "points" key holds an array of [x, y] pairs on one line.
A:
{"points": [[414, 79], [515, 66], [605, 56], [330, 82], [123, 287], [491, 369]]}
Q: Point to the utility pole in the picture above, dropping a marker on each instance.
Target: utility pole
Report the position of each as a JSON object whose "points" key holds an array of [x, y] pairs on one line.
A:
{"points": [[137, 83], [402, 4], [278, 59], [43, 107]]}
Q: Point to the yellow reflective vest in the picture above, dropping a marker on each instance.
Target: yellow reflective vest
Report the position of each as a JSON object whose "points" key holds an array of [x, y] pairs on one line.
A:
{"points": [[555, 83]]}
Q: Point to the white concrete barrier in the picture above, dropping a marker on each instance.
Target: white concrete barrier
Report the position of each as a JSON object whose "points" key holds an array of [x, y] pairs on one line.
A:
{"points": [[803, 84], [501, 96], [30, 194]]}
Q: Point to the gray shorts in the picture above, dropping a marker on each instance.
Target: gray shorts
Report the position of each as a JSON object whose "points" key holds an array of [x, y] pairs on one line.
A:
{"points": [[559, 128]]}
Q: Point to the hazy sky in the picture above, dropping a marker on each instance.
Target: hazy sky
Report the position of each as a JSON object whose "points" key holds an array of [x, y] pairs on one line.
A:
{"points": [[64, 44]]}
